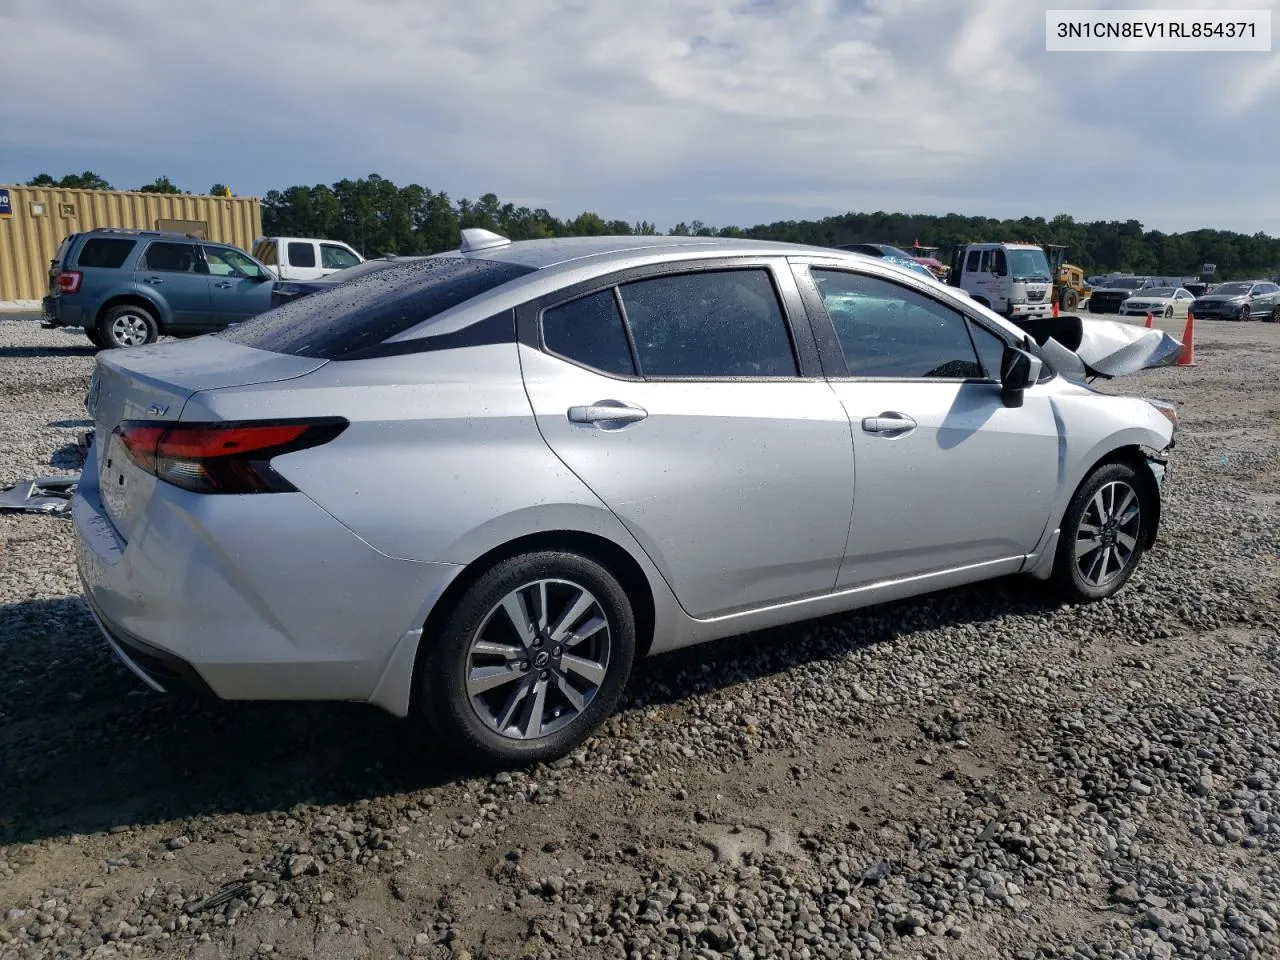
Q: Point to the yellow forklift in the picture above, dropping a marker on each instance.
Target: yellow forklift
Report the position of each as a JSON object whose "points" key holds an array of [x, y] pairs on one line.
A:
{"points": [[1069, 289]]}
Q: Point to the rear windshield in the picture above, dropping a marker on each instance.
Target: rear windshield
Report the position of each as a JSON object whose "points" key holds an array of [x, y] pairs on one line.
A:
{"points": [[108, 252], [334, 324]]}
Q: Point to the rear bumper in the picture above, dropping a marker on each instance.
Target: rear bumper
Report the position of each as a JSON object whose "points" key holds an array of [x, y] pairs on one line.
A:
{"points": [[260, 597]]}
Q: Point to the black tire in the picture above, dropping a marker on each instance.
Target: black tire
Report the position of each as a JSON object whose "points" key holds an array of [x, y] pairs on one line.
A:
{"points": [[1071, 582], [1275, 315], [446, 661], [94, 337], [1168, 313], [128, 326]]}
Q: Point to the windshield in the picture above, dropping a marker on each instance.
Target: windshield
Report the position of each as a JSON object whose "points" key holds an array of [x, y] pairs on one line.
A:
{"points": [[1232, 289], [1128, 283], [1029, 265], [1158, 292], [889, 251]]}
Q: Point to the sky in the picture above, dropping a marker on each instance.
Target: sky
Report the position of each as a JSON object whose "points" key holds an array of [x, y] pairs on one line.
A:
{"points": [[726, 111]]}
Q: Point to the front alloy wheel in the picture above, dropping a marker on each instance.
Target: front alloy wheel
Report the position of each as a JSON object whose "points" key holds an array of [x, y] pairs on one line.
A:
{"points": [[1107, 534], [1245, 313], [1104, 532], [534, 656]]}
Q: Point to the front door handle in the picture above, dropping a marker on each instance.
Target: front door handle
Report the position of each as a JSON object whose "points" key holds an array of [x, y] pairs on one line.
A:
{"points": [[888, 423], [224, 285], [607, 413], [152, 280]]}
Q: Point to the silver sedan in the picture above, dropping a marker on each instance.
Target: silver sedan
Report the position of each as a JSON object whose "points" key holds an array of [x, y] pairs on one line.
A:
{"points": [[480, 485]]}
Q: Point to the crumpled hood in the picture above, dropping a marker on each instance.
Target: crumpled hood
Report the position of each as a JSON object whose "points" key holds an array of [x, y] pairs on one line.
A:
{"points": [[1079, 348]]}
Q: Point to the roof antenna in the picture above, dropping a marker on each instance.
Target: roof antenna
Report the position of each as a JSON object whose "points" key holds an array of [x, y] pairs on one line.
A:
{"points": [[474, 239]]}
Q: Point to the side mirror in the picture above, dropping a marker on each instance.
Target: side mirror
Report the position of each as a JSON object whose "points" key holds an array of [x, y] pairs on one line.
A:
{"points": [[1018, 371]]}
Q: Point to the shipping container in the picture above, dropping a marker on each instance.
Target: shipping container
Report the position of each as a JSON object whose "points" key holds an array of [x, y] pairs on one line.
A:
{"points": [[35, 220]]}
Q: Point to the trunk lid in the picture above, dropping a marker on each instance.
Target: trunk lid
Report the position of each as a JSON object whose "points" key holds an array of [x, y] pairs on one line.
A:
{"points": [[154, 383]]}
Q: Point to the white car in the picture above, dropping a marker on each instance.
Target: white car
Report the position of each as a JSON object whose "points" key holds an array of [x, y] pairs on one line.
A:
{"points": [[1167, 302]]}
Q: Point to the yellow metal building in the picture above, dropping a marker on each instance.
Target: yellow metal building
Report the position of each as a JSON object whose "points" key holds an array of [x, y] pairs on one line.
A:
{"points": [[39, 218]]}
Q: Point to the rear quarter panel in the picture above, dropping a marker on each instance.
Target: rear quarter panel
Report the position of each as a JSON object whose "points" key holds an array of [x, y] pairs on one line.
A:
{"points": [[442, 461]]}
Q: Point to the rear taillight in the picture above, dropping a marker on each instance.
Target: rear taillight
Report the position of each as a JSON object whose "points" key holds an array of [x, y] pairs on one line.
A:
{"points": [[69, 281], [222, 457]]}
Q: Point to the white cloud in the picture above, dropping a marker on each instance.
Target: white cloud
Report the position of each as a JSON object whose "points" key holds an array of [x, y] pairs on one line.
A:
{"points": [[723, 110]]}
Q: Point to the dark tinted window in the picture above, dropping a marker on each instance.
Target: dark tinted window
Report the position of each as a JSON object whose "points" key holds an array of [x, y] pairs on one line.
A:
{"points": [[590, 332], [972, 265], [108, 252], [990, 349], [886, 330], [339, 323], [302, 255], [998, 263], [725, 323], [162, 257]]}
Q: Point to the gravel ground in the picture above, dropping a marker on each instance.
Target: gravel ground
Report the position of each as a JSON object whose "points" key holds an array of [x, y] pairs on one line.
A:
{"points": [[979, 773]]}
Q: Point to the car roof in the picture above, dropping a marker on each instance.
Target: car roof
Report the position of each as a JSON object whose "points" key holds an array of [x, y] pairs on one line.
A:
{"points": [[614, 251]]}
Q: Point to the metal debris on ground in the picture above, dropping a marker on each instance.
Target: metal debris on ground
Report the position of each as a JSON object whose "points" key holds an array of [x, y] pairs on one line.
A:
{"points": [[42, 495]]}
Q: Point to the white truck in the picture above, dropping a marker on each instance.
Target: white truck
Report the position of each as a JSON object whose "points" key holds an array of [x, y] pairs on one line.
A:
{"points": [[1012, 279], [304, 258]]}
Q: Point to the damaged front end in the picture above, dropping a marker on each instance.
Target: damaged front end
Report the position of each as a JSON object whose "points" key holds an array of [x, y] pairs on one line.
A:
{"points": [[1079, 348]]}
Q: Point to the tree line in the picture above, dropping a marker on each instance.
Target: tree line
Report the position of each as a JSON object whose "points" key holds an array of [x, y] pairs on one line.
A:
{"points": [[378, 217]]}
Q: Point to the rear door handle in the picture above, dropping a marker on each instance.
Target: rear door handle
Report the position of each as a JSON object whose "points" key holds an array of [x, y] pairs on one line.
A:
{"points": [[607, 412], [152, 280], [888, 422]]}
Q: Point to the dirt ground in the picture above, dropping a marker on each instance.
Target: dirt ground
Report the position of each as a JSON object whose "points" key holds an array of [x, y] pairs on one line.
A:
{"points": [[978, 773]]}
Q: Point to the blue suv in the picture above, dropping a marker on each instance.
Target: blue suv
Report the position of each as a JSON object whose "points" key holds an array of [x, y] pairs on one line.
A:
{"points": [[126, 287]]}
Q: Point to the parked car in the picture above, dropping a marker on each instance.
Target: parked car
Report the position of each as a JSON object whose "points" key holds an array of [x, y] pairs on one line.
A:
{"points": [[1108, 297], [1240, 300], [890, 254], [1167, 302], [481, 484], [286, 291], [304, 258], [126, 287]]}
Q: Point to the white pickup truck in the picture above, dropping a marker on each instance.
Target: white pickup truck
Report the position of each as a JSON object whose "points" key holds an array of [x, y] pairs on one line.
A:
{"points": [[304, 258]]}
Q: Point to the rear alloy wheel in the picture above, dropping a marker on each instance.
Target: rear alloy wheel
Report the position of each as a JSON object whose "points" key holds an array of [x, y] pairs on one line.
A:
{"points": [[1103, 534], [534, 657], [1245, 313], [1168, 313], [128, 326], [1275, 314]]}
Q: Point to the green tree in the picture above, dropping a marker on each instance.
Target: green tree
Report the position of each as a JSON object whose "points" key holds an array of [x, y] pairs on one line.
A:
{"points": [[218, 190], [72, 181], [159, 185]]}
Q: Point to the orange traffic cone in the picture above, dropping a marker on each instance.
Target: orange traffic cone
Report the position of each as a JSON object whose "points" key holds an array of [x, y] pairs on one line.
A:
{"points": [[1150, 320], [1055, 308], [1188, 357]]}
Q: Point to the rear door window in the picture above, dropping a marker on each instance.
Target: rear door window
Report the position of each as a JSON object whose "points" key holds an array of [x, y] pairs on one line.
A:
{"points": [[165, 257], [710, 324], [110, 253], [266, 252], [342, 322], [302, 254], [589, 331]]}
